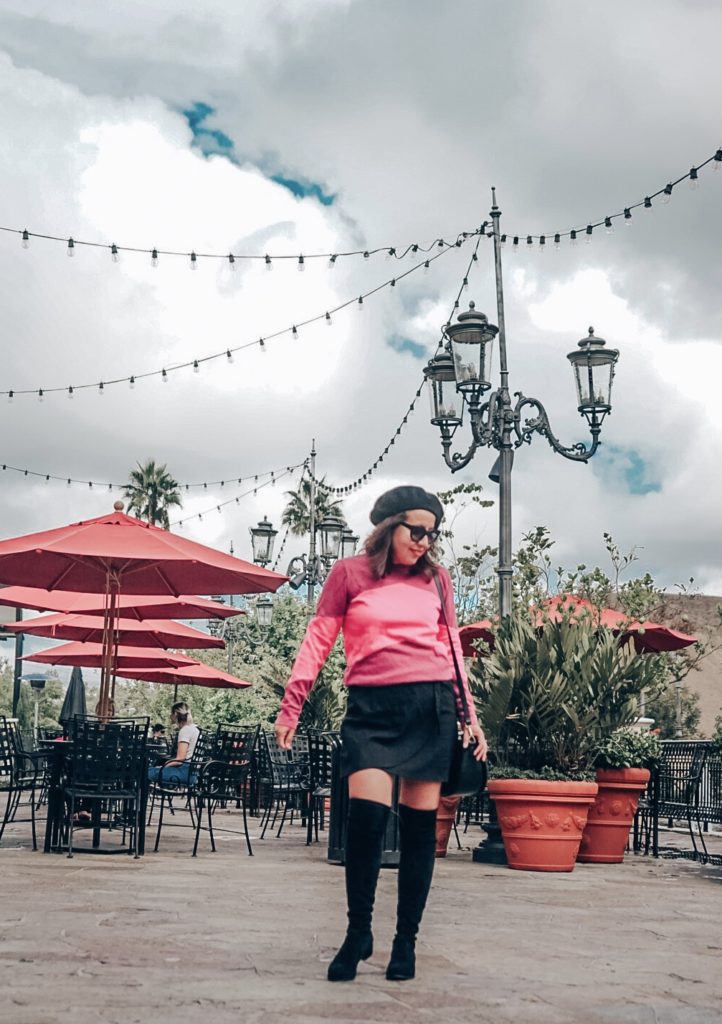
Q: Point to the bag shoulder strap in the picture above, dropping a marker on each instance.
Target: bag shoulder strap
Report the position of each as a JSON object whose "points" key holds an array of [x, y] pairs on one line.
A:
{"points": [[459, 681]]}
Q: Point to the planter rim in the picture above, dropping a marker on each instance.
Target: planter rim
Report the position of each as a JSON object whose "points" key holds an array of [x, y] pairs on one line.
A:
{"points": [[623, 774], [542, 787]]}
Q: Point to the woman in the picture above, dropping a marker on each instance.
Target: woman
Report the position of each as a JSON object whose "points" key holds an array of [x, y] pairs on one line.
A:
{"points": [[177, 770], [402, 712]]}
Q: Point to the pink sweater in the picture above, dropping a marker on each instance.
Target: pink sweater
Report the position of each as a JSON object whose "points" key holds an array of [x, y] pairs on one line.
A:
{"points": [[393, 632]]}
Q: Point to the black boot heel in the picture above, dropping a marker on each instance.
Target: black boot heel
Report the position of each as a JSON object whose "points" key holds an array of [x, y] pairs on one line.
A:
{"points": [[402, 965], [356, 946]]}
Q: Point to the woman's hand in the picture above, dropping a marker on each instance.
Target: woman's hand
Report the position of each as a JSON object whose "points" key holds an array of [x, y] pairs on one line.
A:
{"points": [[284, 736], [476, 733]]}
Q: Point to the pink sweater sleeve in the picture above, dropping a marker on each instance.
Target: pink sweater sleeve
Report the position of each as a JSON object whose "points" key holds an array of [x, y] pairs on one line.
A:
{"points": [[450, 611], [320, 637]]}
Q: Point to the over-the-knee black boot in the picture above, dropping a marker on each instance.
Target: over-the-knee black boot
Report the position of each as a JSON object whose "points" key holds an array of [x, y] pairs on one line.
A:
{"points": [[364, 843], [417, 834]]}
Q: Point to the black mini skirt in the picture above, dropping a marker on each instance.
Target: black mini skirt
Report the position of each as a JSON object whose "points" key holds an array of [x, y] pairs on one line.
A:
{"points": [[406, 729]]}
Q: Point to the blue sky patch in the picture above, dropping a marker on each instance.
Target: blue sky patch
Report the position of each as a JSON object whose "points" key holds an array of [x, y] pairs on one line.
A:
{"points": [[210, 141], [628, 466], [301, 188], [401, 344]]}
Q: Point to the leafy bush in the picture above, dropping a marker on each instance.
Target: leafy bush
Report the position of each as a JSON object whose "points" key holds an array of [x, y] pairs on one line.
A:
{"points": [[548, 697], [629, 748]]}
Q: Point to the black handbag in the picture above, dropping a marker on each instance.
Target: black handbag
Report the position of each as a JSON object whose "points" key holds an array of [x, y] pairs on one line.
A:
{"points": [[467, 776]]}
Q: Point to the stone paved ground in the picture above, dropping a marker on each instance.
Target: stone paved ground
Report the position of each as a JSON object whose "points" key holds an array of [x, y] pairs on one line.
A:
{"points": [[227, 938]]}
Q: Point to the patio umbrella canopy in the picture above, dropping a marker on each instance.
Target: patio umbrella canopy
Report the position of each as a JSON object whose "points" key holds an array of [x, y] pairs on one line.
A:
{"points": [[189, 675], [648, 637], [130, 606], [115, 553], [89, 629], [74, 703], [91, 656], [120, 552]]}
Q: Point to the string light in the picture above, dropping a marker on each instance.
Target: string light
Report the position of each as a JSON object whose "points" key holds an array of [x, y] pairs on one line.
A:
{"points": [[231, 261], [665, 193], [154, 258], [71, 247], [194, 261], [589, 230], [573, 237], [26, 239], [269, 264], [292, 330], [114, 253], [364, 477], [196, 368], [301, 263], [329, 321]]}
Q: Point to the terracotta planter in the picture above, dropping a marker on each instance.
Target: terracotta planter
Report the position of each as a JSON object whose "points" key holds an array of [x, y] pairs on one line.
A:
{"points": [[445, 815], [611, 815], [541, 822]]}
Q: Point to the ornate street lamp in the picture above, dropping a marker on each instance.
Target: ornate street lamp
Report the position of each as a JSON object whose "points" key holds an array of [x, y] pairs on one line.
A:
{"points": [[349, 540], [498, 422], [330, 533], [262, 538], [264, 612]]}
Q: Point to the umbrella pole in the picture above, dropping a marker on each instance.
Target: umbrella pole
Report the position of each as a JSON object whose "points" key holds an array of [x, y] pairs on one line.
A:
{"points": [[110, 629]]}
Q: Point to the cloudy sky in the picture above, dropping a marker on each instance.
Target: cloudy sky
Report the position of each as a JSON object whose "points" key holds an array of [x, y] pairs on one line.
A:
{"points": [[316, 126]]}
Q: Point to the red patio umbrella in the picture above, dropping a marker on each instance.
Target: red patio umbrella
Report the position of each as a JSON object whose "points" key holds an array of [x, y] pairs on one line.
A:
{"points": [[115, 553], [193, 675], [92, 656], [130, 606], [648, 637], [89, 629]]}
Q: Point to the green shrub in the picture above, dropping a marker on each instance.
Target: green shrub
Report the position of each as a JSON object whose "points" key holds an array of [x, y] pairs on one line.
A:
{"points": [[629, 748]]}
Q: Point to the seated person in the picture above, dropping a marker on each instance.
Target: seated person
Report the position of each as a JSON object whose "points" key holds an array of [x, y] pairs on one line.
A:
{"points": [[176, 771], [158, 737]]}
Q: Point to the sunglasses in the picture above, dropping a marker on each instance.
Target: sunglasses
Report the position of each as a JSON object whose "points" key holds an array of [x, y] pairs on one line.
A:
{"points": [[418, 533]]}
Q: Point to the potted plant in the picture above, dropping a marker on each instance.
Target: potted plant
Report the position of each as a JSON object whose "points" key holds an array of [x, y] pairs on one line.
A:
{"points": [[547, 697], [624, 762]]}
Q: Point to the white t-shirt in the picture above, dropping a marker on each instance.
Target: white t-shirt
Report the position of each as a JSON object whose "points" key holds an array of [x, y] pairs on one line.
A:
{"points": [[189, 734]]}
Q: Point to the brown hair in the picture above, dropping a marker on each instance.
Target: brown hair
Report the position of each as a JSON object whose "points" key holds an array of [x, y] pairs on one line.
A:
{"points": [[380, 553], [181, 713]]}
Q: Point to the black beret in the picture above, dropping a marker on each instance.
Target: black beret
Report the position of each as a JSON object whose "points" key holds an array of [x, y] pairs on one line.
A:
{"points": [[404, 499]]}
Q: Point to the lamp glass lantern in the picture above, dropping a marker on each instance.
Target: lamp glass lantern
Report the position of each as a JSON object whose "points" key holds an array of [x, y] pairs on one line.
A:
{"points": [[468, 339], [349, 540], [593, 365], [330, 530], [446, 405], [264, 611], [262, 538]]}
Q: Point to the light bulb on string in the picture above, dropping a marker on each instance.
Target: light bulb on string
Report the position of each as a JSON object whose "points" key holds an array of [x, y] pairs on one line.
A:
{"points": [[294, 331], [332, 261], [557, 241], [231, 261], [366, 254], [164, 376], [114, 255], [717, 160], [426, 265], [26, 240], [515, 243], [301, 263], [502, 241], [667, 193], [360, 304], [229, 355], [588, 233], [390, 253], [131, 382], [572, 237], [647, 203], [71, 247], [196, 368], [529, 240], [542, 243], [70, 392], [68, 482], [608, 226], [268, 262], [194, 261], [329, 322], [627, 217], [11, 395], [101, 389], [154, 258], [41, 395]]}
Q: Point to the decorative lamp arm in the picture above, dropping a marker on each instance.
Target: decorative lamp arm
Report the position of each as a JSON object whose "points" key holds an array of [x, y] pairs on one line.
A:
{"points": [[539, 424]]}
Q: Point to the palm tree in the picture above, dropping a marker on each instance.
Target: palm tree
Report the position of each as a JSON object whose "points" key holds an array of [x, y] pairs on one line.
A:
{"points": [[296, 513], [151, 492]]}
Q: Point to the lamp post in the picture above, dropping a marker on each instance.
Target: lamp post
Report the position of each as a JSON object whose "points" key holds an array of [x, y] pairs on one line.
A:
{"points": [[335, 540], [457, 381]]}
